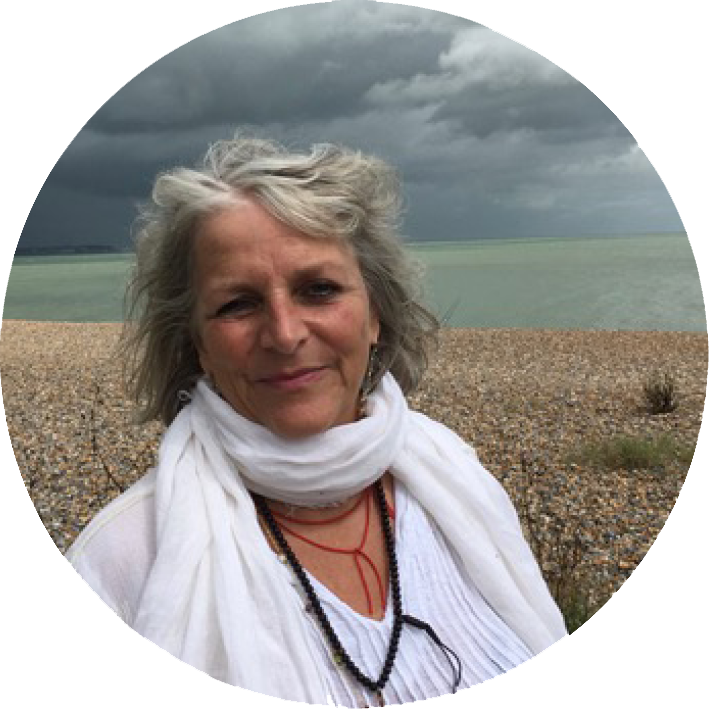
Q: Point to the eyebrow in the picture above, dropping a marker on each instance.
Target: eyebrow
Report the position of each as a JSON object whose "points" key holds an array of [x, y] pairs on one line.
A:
{"points": [[297, 275]]}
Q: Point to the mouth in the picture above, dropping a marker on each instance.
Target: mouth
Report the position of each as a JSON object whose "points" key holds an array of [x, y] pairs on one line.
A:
{"points": [[293, 379]]}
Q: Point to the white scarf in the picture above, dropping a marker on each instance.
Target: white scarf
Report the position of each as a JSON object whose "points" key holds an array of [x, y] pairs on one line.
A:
{"points": [[217, 597]]}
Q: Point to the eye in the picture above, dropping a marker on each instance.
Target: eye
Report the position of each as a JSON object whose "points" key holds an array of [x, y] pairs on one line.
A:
{"points": [[240, 305], [320, 291]]}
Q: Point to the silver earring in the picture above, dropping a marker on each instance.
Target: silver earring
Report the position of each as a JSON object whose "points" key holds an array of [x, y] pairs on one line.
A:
{"points": [[368, 381]]}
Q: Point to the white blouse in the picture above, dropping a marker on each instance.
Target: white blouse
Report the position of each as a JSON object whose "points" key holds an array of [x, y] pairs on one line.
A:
{"points": [[435, 588]]}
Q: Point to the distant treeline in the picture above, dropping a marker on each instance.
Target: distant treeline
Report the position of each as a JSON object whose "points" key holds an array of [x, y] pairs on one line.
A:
{"points": [[61, 250]]}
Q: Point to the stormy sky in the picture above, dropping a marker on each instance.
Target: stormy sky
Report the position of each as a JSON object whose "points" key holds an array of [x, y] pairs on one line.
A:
{"points": [[490, 138]]}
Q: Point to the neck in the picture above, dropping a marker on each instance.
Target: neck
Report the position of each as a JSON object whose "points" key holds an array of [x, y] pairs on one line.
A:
{"points": [[313, 513]]}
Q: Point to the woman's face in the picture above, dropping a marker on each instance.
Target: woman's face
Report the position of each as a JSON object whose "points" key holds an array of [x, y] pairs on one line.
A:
{"points": [[284, 321]]}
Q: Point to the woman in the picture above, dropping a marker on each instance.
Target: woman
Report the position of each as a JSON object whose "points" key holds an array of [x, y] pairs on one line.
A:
{"points": [[304, 534]]}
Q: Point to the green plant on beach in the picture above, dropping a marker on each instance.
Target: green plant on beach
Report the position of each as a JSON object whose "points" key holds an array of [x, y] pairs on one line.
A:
{"points": [[634, 453], [660, 392], [570, 587], [561, 551]]}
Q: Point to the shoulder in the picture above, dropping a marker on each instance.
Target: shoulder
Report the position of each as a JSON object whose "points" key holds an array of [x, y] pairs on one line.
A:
{"points": [[113, 554], [119, 518], [440, 436], [446, 446]]}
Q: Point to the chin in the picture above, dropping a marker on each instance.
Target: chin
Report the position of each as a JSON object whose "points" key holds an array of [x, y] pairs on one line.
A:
{"points": [[300, 425]]}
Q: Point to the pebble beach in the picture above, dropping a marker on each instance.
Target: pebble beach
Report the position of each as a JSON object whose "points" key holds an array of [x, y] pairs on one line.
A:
{"points": [[529, 401]]}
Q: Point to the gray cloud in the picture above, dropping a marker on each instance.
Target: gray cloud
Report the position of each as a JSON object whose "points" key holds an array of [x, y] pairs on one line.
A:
{"points": [[304, 63], [490, 138]]}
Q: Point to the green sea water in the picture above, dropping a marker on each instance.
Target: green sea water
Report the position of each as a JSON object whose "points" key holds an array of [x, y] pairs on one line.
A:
{"points": [[82, 288], [635, 282]]}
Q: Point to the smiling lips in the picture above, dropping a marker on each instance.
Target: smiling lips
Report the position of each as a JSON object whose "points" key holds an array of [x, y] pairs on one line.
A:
{"points": [[296, 379]]}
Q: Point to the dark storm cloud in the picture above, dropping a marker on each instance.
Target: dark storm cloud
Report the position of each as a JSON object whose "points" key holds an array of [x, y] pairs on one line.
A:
{"points": [[296, 65], [490, 138], [65, 216], [312, 63], [558, 114], [124, 164]]}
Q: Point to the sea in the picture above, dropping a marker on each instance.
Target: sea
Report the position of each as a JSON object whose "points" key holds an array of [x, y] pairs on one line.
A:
{"points": [[623, 282]]}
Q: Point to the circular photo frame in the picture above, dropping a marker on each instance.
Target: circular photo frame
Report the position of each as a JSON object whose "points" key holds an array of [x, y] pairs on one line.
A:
{"points": [[586, 406]]}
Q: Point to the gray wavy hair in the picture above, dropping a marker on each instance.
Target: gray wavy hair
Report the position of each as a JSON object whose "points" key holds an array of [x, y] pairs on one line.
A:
{"points": [[330, 192]]}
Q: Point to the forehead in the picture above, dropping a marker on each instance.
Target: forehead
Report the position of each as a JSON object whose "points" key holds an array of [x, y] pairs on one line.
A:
{"points": [[247, 238]]}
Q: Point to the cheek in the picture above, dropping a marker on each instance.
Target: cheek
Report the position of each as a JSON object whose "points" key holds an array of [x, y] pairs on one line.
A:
{"points": [[222, 349], [356, 336]]}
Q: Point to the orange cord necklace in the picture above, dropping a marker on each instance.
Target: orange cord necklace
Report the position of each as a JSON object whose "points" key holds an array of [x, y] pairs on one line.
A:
{"points": [[358, 554]]}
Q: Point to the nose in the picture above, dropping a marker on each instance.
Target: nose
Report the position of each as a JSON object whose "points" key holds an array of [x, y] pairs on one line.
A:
{"points": [[284, 328]]}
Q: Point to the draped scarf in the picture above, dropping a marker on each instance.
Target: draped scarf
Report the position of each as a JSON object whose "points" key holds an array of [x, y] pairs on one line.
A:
{"points": [[216, 595]]}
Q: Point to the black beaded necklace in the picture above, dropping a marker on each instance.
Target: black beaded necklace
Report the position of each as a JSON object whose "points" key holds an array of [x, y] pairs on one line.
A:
{"points": [[340, 655]]}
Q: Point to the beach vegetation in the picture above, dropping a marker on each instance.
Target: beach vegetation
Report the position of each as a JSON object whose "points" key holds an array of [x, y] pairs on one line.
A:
{"points": [[565, 559], [561, 550], [576, 606], [634, 453], [660, 392]]}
